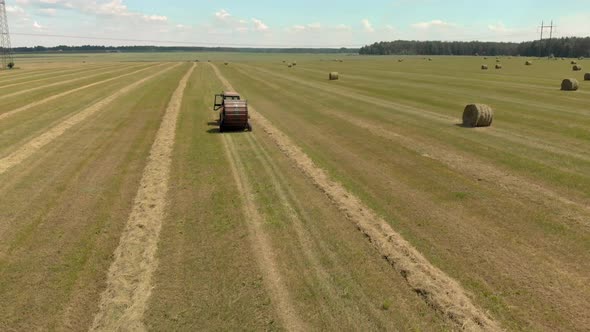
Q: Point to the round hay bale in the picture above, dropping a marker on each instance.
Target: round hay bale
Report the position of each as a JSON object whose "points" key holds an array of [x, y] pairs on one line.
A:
{"points": [[290, 65], [569, 84], [529, 63], [485, 57], [587, 77], [577, 68], [478, 115], [581, 58], [294, 63], [498, 66], [227, 63], [484, 67], [498, 60], [400, 60], [574, 62], [334, 76], [429, 59]]}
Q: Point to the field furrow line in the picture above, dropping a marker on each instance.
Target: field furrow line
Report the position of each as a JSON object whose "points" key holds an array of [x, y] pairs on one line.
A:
{"points": [[129, 285], [65, 93], [62, 74], [527, 141], [17, 93], [261, 243], [439, 290], [34, 145], [290, 202]]}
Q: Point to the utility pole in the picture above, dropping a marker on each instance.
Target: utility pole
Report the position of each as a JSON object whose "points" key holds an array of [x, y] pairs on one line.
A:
{"points": [[6, 60], [543, 27]]}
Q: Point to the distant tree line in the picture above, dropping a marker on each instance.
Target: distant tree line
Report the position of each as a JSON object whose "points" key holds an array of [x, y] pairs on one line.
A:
{"points": [[103, 49], [562, 47]]}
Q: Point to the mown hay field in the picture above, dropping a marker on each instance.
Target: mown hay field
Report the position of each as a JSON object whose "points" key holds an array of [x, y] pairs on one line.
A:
{"points": [[355, 204]]}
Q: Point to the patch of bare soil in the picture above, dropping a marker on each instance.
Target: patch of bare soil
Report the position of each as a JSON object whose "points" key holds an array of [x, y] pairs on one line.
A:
{"points": [[124, 301]]}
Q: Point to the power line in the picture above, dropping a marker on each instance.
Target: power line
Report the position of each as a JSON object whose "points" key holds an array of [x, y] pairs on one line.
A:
{"points": [[175, 42]]}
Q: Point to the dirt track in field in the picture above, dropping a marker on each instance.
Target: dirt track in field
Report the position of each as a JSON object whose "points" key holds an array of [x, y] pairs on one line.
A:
{"points": [[84, 76], [63, 94], [37, 143], [129, 285], [439, 290]]}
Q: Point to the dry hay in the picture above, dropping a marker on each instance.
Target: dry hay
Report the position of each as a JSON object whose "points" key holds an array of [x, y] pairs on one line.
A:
{"points": [[587, 77], [498, 66], [334, 76], [484, 67], [529, 63], [577, 68], [569, 84], [478, 115]]}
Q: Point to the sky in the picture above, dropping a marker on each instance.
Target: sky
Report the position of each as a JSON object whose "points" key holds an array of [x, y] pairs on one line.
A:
{"points": [[300, 23]]}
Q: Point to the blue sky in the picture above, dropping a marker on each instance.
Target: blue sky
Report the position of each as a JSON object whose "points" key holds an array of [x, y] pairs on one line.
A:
{"points": [[287, 24]]}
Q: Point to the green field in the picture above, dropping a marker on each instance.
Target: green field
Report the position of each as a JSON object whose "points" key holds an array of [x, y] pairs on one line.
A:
{"points": [[359, 204]]}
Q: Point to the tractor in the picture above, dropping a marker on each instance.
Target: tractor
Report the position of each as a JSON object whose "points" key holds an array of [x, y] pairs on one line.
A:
{"points": [[233, 111]]}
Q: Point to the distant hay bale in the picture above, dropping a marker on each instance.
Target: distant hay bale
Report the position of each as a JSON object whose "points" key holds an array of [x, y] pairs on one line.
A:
{"points": [[290, 65], [334, 76], [498, 60], [529, 63], [569, 84], [498, 66], [485, 57], [429, 59], [478, 115], [484, 67], [400, 60], [581, 58], [577, 68], [587, 77], [574, 62], [227, 63], [294, 63]]}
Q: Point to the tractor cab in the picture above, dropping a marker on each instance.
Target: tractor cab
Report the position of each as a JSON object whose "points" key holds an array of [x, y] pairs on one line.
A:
{"points": [[233, 111]]}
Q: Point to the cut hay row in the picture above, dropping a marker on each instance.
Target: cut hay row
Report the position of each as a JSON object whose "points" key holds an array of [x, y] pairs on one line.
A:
{"points": [[34, 145], [24, 74], [81, 77], [261, 243], [65, 93], [124, 301], [440, 291], [61, 74]]}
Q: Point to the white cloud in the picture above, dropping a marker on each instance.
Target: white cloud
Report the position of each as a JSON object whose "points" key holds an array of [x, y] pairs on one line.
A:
{"points": [[259, 25], [367, 26], [38, 26], [433, 24], [223, 15]]}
